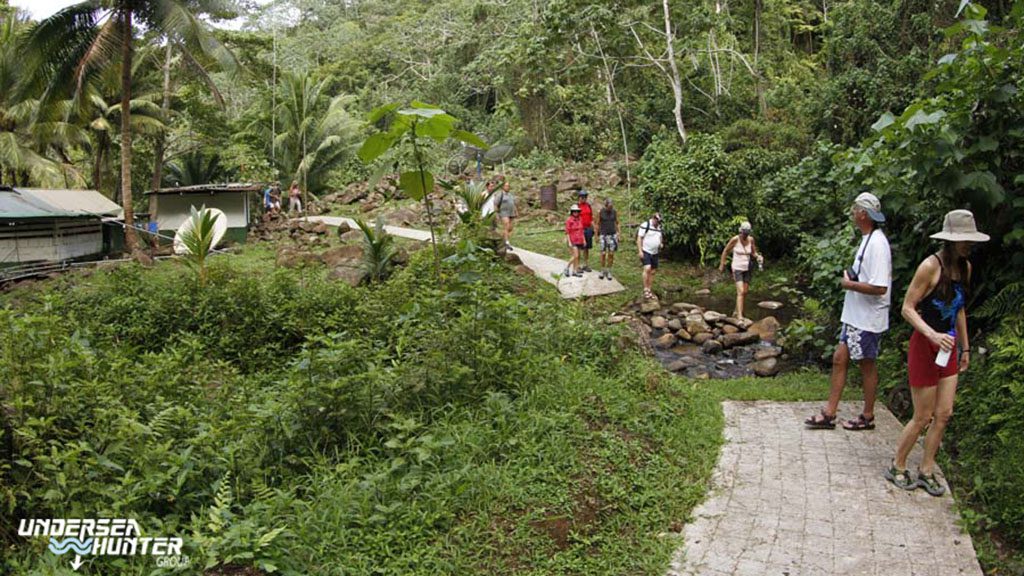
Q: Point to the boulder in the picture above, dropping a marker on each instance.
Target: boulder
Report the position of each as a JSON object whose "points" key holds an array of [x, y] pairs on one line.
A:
{"points": [[352, 236], [353, 193], [711, 347], [729, 329], [320, 228], [713, 317], [770, 305], [702, 337], [683, 363], [401, 257], [766, 367], [343, 256], [617, 319], [696, 324], [659, 322], [343, 228], [739, 339], [701, 375], [665, 341], [683, 335], [766, 328], [649, 306], [684, 306], [350, 275], [765, 353], [703, 292], [675, 324]]}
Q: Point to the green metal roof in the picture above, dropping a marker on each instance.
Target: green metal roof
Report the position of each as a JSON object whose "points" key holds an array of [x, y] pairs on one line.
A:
{"points": [[46, 203]]}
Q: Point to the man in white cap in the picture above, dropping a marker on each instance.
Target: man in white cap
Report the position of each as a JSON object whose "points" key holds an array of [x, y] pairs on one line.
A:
{"points": [[868, 286]]}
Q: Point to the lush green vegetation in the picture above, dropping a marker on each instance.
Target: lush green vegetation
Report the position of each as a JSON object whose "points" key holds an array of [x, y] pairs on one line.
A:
{"points": [[269, 399]]}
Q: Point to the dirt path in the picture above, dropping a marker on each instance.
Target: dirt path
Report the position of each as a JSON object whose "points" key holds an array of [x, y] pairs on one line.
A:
{"points": [[544, 267], [791, 501]]}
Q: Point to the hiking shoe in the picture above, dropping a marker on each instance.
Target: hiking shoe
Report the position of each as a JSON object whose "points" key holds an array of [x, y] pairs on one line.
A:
{"points": [[508, 247], [566, 272], [587, 269], [930, 484], [600, 274], [578, 274], [608, 275], [900, 478]]}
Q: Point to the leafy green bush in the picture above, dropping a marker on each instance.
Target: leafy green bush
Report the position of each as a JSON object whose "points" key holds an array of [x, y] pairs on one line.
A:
{"points": [[986, 435]]}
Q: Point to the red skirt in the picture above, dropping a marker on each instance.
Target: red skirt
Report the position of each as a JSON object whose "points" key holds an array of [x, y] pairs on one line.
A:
{"points": [[921, 365]]}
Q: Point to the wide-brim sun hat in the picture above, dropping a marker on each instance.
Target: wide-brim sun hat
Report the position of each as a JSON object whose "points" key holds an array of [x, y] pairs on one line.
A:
{"points": [[871, 204], [959, 226], [574, 208]]}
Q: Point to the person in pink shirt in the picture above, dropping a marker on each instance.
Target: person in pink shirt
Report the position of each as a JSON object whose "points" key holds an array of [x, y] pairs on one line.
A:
{"points": [[575, 239]]}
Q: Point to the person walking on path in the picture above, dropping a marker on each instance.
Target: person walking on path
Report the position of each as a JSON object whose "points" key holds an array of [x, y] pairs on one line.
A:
{"points": [[865, 318], [744, 251], [935, 306], [295, 198], [506, 207], [608, 228], [488, 194], [587, 216], [575, 239], [649, 240]]}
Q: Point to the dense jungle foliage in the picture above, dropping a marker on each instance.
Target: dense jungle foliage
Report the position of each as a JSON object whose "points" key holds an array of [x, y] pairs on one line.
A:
{"points": [[776, 111]]}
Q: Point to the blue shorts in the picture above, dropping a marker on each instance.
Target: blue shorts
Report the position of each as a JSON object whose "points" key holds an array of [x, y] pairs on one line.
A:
{"points": [[588, 236], [863, 345], [650, 260]]}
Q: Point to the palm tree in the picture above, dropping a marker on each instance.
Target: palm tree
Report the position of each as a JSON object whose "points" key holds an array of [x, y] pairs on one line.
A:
{"points": [[315, 134], [85, 38], [194, 168]]}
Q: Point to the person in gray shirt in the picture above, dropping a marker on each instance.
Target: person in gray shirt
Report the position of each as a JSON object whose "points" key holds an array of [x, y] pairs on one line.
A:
{"points": [[608, 229]]}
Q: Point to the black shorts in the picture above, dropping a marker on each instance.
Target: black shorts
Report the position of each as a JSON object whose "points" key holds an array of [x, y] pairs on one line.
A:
{"points": [[650, 260], [588, 235], [741, 276]]}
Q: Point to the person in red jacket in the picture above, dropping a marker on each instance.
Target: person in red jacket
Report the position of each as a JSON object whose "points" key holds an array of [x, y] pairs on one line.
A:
{"points": [[575, 239], [587, 217]]}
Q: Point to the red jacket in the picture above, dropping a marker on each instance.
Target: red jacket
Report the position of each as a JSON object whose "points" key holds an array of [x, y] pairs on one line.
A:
{"points": [[574, 228], [586, 214]]}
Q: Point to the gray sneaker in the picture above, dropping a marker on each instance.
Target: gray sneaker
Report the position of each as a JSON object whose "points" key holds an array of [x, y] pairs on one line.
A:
{"points": [[587, 269], [600, 274], [578, 274], [608, 275]]}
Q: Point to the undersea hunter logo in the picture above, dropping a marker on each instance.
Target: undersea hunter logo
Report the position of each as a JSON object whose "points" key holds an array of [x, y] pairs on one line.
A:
{"points": [[101, 537]]}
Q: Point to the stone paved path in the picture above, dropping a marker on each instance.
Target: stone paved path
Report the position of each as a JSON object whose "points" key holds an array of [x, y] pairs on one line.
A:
{"points": [[791, 501], [544, 267]]}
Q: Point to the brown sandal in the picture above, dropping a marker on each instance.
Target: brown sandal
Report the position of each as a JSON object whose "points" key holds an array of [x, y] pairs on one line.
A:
{"points": [[821, 421], [860, 423]]}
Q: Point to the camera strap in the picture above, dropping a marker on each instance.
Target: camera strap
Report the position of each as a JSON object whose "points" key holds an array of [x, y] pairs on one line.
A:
{"points": [[860, 257]]}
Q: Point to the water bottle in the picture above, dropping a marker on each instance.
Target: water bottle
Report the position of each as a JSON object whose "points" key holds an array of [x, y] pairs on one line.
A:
{"points": [[942, 358]]}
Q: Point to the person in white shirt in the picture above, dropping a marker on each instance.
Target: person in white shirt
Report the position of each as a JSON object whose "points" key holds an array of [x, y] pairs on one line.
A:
{"points": [[648, 243], [868, 286]]}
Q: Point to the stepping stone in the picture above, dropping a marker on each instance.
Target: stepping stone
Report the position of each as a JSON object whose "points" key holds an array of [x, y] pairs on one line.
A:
{"points": [[770, 305]]}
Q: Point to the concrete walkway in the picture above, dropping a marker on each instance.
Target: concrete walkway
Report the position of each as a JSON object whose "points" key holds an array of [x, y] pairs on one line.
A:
{"points": [[791, 501], [544, 267]]}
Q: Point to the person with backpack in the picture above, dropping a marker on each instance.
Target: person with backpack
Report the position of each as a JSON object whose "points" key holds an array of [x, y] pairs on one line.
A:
{"points": [[935, 305], [575, 239], [649, 241], [608, 229], [868, 284]]}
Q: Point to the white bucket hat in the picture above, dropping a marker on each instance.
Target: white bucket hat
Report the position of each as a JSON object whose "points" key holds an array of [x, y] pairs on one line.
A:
{"points": [[959, 226], [745, 226], [574, 208]]}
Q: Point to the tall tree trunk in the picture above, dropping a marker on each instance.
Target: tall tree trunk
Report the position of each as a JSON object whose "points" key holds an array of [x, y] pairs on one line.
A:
{"points": [[677, 84], [762, 104], [130, 239], [158, 152], [97, 165]]}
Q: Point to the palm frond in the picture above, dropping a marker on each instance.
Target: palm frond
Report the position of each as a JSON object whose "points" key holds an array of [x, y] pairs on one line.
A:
{"points": [[378, 250]]}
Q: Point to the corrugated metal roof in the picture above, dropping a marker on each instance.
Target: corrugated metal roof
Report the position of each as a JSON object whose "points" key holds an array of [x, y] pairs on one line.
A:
{"points": [[213, 188], [46, 203]]}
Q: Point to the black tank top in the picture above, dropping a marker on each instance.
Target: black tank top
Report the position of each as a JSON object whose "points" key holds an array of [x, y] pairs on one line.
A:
{"points": [[940, 313], [609, 220]]}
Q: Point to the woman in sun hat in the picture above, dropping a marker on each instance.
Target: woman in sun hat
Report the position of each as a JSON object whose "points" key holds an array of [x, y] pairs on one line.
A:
{"points": [[939, 349], [744, 253]]}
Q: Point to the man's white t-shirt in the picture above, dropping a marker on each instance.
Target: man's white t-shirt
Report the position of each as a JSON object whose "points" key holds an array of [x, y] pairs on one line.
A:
{"points": [[651, 237], [866, 311]]}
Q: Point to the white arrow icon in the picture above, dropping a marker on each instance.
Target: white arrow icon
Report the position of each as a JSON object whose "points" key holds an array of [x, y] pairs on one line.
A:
{"points": [[77, 563]]}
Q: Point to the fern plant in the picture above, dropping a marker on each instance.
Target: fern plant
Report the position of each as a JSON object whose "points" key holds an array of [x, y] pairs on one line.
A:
{"points": [[378, 250], [1008, 301]]}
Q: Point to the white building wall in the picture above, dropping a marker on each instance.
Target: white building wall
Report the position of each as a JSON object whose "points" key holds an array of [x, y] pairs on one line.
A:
{"points": [[173, 209]]}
